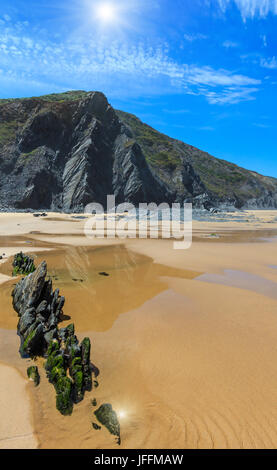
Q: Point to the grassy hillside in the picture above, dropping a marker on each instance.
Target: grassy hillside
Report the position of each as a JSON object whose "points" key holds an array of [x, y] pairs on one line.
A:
{"points": [[59, 97], [167, 155]]}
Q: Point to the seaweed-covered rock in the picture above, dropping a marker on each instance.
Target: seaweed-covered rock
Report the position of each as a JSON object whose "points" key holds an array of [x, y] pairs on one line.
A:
{"points": [[85, 348], [23, 264], [33, 374], [56, 370], [39, 309], [73, 353], [65, 333], [108, 418], [63, 388]]}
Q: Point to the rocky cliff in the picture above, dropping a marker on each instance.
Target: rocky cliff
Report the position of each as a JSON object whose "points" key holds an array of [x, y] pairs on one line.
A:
{"points": [[61, 152]]}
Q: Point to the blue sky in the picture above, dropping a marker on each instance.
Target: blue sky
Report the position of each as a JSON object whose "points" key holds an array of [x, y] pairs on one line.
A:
{"points": [[202, 71]]}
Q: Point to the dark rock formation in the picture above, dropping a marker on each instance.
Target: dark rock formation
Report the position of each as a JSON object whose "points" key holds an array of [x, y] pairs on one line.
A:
{"points": [[68, 365], [39, 309], [108, 418], [63, 155], [61, 152], [66, 354], [96, 426], [195, 176], [33, 374], [23, 264]]}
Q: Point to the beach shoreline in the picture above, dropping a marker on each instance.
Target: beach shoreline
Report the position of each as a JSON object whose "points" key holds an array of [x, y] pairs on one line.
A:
{"points": [[217, 334]]}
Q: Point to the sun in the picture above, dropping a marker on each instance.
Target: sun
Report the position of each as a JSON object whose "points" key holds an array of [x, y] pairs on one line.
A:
{"points": [[106, 12]]}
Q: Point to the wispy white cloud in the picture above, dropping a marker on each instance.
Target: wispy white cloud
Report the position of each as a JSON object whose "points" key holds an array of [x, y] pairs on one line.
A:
{"points": [[231, 95], [176, 111], [251, 8], [221, 77], [206, 128], [270, 63], [230, 44], [194, 36], [264, 39], [262, 125], [115, 68]]}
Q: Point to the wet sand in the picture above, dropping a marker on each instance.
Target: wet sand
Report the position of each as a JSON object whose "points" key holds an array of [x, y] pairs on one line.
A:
{"points": [[186, 351], [16, 431]]}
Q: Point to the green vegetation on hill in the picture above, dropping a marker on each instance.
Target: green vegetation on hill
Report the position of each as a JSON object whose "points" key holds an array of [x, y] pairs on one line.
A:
{"points": [[8, 131], [158, 148], [58, 97], [166, 155]]}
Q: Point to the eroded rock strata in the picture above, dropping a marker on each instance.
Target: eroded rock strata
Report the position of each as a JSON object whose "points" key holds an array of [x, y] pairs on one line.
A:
{"points": [[63, 151]]}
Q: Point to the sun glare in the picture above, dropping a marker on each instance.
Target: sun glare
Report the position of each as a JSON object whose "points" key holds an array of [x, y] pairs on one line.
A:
{"points": [[106, 12], [122, 414]]}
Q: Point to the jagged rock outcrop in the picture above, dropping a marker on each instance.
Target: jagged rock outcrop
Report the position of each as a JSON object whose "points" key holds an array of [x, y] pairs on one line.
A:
{"points": [[39, 309], [193, 175], [64, 155], [62, 152], [68, 364]]}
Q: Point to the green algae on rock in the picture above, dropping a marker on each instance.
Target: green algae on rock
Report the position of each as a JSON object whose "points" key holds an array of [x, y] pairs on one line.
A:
{"points": [[63, 358], [23, 264], [108, 418], [63, 388], [67, 364], [33, 374]]}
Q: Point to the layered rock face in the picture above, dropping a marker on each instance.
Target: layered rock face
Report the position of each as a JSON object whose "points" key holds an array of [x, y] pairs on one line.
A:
{"points": [[64, 155], [62, 152]]}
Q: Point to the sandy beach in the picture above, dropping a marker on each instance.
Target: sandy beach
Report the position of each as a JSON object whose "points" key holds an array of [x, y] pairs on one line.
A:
{"points": [[185, 340], [16, 430]]}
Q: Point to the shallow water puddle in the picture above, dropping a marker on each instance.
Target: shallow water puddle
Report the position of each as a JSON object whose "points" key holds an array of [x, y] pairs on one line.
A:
{"points": [[242, 280], [93, 300]]}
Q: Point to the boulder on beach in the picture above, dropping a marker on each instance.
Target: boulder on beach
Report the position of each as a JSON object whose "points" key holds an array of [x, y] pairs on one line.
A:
{"points": [[108, 418]]}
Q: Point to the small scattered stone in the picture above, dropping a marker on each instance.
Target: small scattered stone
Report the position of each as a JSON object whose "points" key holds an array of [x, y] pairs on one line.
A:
{"points": [[104, 274], [96, 426], [43, 214]]}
